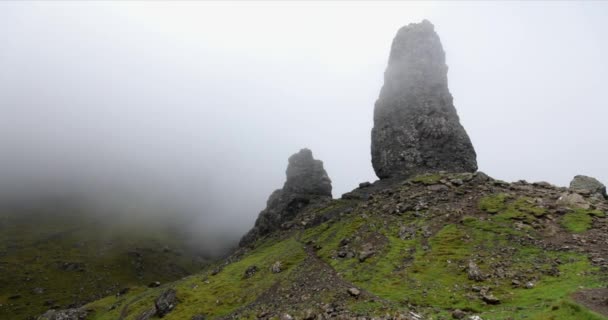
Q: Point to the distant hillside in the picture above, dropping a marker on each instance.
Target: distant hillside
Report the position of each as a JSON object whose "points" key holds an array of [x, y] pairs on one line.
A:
{"points": [[57, 256]]}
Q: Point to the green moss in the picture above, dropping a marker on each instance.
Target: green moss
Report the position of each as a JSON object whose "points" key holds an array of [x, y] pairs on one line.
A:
{"points": [[527, 205], [427, 179], [220, 294], [597, 213], [426, 271], [493, 203], [523, 208], [580, 220]]}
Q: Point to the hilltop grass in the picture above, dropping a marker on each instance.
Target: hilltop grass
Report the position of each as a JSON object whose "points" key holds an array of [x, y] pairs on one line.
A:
{"points": [[522, 208], [428, 272], [493, 203], [404, 272], [427, 179]]}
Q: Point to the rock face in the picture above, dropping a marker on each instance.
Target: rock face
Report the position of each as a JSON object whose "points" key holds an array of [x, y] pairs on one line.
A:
{"points": [[416, 127], [588, 185], [307, 183]]}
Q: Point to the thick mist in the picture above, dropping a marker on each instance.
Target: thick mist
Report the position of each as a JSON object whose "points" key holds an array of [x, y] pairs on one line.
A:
{"points": [[191, 109]]}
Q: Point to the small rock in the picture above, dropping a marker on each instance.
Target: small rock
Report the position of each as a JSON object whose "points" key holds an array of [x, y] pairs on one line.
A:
{"points": [[285, 316], [309, 314], [438, 187], [457, 182], [38, 290], [276, 267], [251, 270], [490, 299], [529, 285], [573, 200], [474, 272], [154, 284], [354, 292], [365, 184], [165, 302], [365, 254], [458, 314]]}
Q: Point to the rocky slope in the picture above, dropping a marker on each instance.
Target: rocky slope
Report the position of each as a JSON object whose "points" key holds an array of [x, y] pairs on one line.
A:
{"points": [[438, 246]]}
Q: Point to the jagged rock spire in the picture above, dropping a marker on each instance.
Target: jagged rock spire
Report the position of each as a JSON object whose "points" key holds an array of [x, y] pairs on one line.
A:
{"points": [[416, 127], [307, 183]]}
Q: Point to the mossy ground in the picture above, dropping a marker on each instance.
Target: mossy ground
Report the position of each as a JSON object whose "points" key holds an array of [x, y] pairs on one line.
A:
{"points": [[212, 295], [580, 220], [425, 272]]}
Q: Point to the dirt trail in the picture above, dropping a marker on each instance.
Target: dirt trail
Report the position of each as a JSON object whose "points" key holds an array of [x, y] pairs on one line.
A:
{"points": [[594, 299]]}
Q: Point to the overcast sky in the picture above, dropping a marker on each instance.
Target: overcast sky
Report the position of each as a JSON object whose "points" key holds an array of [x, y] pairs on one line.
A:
{"points": [[204, 102]]}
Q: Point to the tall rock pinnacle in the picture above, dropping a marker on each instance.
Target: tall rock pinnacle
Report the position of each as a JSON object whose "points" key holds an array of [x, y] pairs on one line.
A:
{"points": [[416, 127], [307, 183]]}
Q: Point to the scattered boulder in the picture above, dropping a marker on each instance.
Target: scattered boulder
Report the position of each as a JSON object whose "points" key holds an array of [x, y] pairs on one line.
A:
{"points": [[458, 314], [366, 252], [474, 272], [286, 316], [573, 201], [588, 186], [276, 267], [416, 127], [165, 302], [490, 298], [354, 292], [250, 271]]}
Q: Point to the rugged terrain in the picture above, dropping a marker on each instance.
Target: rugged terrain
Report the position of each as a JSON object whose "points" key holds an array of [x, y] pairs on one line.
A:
{"points": [[431, 247], [433, 239]]}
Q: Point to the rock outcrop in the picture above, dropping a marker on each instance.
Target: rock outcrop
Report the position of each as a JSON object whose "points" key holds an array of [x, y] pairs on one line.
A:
{"points": [[307, 183], [416, 127], [588, 186], [67, 314]]}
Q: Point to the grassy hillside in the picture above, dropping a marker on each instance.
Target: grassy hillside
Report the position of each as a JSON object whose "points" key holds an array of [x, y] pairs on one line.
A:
{"points": [[65, 257], [427, 246]]}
